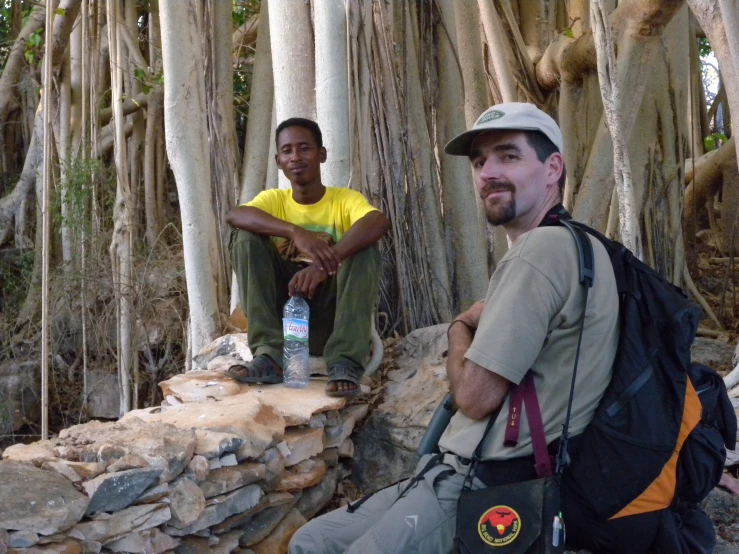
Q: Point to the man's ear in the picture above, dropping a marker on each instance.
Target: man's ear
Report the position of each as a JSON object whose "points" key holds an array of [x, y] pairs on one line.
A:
{"points": [[322, 153], [277, 161], [555, 167]]}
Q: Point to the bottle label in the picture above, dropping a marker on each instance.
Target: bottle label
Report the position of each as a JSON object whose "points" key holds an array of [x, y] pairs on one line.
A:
{"points": [[295, 329]]}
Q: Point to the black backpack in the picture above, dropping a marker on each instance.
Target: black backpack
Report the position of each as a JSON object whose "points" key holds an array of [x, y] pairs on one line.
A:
{"points": [[659, 436]]}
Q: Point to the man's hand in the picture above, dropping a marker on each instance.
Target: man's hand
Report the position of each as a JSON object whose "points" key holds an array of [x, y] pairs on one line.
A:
{"points": [[323, 256], [305, 282], [473, 314]]}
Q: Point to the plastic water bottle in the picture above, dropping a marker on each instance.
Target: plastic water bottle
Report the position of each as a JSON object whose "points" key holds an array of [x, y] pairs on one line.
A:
{"points": [[295, 357]]}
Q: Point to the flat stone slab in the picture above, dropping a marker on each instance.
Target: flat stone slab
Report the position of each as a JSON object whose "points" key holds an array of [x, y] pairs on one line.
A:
{"points": [[227, 479], [302, 443], [226, 543], [200, 386], [305, 474], [212, 444], [295, 405], [316, 497], [68, 546], [106, 528], [186, 501], [38, 501], [278, 540], [225, 506], [35, 454], [151, 541], [255, 423], [111, 492], [164, 446]]}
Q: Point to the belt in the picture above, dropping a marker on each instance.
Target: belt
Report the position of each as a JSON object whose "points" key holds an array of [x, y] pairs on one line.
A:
{"points": [[512, 470]]}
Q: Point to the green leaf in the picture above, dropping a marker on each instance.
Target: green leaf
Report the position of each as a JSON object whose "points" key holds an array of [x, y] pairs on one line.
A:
{"points": [[61, 11], [569, 33], [145, 89], [139, 74], [709, 142], [30, 58], [721, 136], [35, 40]]}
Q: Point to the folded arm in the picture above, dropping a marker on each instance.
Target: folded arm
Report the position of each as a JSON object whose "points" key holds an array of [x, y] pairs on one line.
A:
{"points": [[365, 232], [477, 391]]}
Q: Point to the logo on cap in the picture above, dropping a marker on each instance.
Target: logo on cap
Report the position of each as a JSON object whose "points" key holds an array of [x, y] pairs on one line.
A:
{"points": [[499, 526], [491, 116]]}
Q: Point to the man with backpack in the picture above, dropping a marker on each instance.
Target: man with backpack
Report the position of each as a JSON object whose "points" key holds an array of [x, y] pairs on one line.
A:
{"points": [[529, 324]]}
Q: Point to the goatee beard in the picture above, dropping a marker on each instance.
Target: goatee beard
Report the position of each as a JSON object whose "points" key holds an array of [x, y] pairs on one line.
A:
{"points": [[501, 215]]}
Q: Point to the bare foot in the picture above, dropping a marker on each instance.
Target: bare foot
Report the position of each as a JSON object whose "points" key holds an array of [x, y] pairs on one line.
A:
{"points": [[341, 386]]}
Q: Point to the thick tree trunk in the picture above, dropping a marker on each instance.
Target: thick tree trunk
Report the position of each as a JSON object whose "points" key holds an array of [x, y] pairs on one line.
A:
{"points": [[291, 35], [258, 136], [465, 236], [332, 89], [188, 151]]}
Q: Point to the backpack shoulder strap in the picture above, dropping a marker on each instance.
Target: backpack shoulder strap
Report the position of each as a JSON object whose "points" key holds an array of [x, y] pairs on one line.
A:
{"points": [[585, 254]]}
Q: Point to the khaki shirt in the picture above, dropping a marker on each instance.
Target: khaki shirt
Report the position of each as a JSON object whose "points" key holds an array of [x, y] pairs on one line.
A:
{"points": [[531, 321]]}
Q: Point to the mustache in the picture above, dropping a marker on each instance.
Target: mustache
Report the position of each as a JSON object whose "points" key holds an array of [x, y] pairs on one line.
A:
{"points": [[497, 187]]}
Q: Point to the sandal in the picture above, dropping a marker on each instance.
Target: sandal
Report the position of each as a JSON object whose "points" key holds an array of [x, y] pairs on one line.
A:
{"points": [[347, 372], [262, 369]]}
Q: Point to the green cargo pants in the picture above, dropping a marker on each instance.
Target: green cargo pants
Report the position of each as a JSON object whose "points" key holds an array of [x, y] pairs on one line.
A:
{"points": [[340, 311]]}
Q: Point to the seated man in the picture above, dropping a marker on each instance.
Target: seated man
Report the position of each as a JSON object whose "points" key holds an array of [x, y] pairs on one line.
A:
{"points": [[312, 241], [528, 322]]}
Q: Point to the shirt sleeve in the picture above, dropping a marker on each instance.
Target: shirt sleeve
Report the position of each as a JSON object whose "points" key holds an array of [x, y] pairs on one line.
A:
{"points": [[268, 201], [515, 321], [355, 206]]}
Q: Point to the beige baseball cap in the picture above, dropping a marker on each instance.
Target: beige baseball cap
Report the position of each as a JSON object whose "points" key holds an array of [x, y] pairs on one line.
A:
{"points": [[513, 116]]}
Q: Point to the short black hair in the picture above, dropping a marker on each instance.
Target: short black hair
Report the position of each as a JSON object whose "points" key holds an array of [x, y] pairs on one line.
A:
{"points": [[309, 124], [545, 148]]}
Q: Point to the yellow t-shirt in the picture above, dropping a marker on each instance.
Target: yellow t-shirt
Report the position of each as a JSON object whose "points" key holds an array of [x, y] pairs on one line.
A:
{"points": [[334, 214]]}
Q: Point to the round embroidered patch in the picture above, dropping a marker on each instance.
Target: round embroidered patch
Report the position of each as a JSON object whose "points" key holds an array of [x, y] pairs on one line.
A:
{"points": [[499, 526], [490, 116]]}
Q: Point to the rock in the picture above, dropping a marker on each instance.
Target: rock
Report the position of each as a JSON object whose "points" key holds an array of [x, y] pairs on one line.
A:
{"points": [[298, 406], [346, 450], [227, 543], [111, 452], [38, 501], [274, 462], [111, 492], [150, 541], [221, 481], [91, 547], [317, 421], [261, 525], [214, 463], [315, 498], [186, 501], [104, 395], [722, 507], [714, 353], [152, 494], [386, 443], [166, 447], [221, 364], [198, 468], [62, 469], [20, 393], [105, 528], [128, 461], [238, 501], [336, 435], [235, 345], [278, 540], [35, 454], [22, 539], [201, 386], [212, 444], [68, 546], [305, 474], [244, 415], [87, 470], [4, 541], [303, 443], [229, 460], [330, 456], [269, 501]]}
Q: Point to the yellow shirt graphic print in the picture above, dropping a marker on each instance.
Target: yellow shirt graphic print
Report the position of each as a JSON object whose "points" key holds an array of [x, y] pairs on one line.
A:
{"points": [[334, 214]]}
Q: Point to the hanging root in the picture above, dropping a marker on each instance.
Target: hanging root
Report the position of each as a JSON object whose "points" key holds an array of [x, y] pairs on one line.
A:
{"points": [[693, 290]]}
